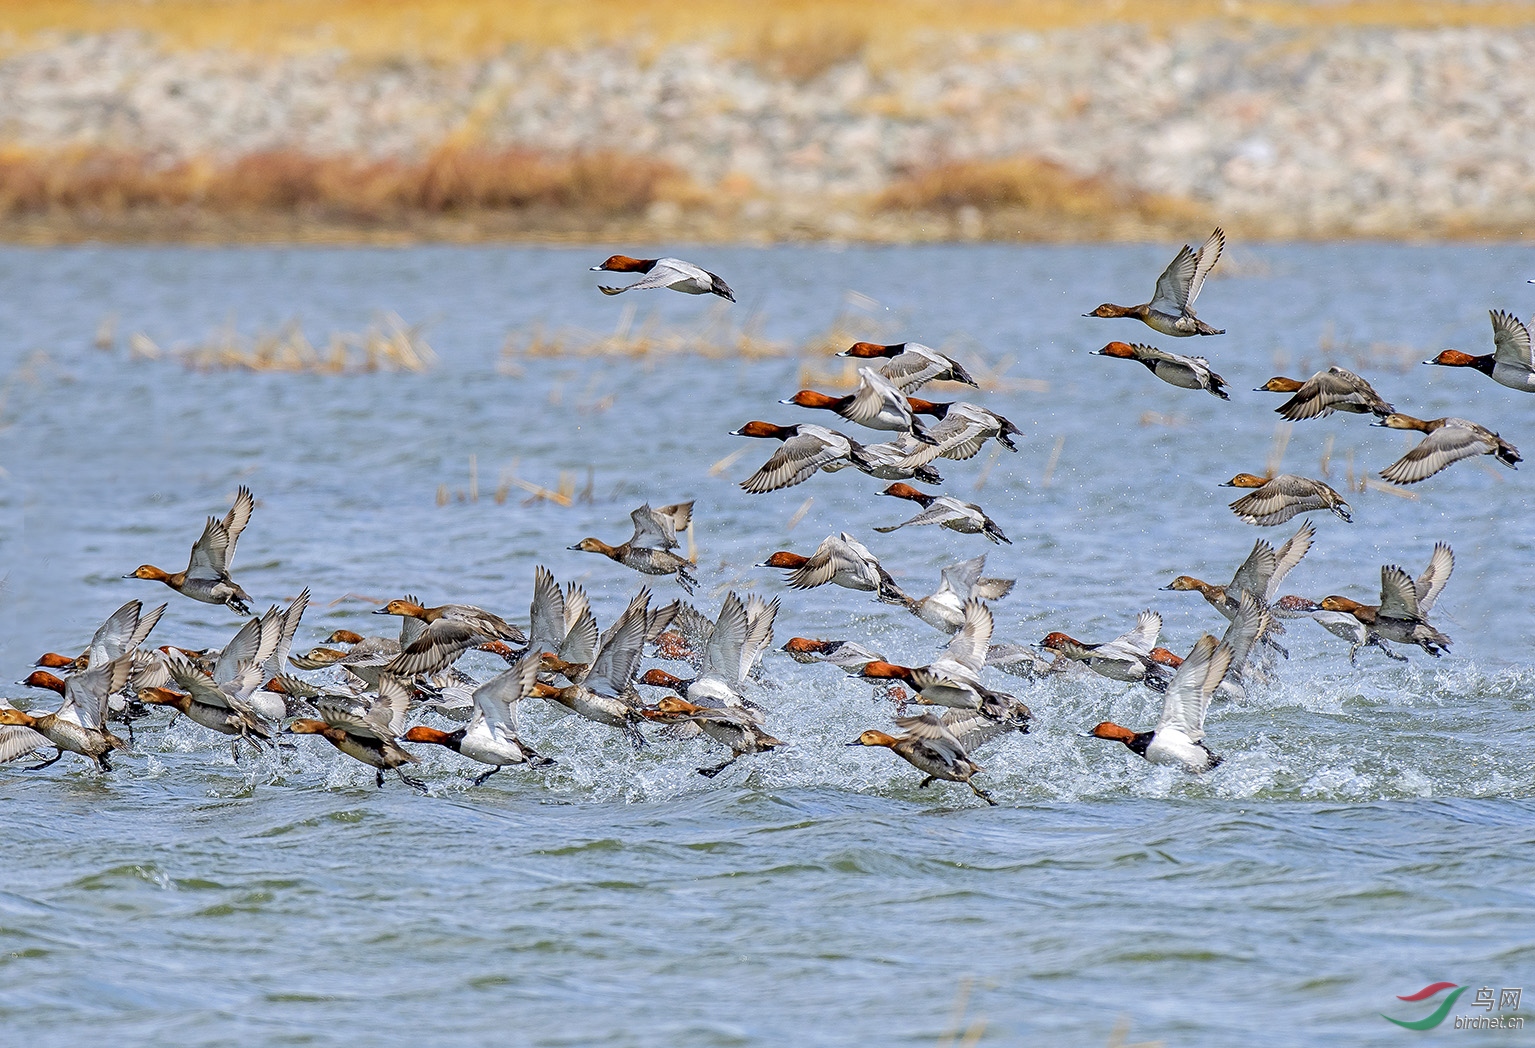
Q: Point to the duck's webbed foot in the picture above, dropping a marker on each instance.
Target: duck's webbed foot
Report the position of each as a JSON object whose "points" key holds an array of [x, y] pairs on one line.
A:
{"points": [[711, 772], [51, 760], [413, 783]]}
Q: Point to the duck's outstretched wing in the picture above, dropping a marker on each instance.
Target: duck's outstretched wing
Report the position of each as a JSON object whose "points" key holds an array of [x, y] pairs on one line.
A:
{"points": [[1431, 583], [1511, 338], [1173, 285], [1188, 693], [793, 463], [235, 520], [1398, 594], [1204, 261], [1442, 448]]}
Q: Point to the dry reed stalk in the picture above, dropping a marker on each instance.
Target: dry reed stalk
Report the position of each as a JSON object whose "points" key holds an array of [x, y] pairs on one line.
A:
{"points": [[1373, 356], [957, 1015], [1370, 483], [1050, 464], [106, 333], [991, 463], [562, 495], [729, 460], [1278, 447], [361, 598], [715, 336], [388, 344], [1121, 1031], [799, 514]]}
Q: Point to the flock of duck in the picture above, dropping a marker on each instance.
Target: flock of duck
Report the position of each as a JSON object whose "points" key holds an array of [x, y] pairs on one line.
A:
{"points": [[257, 690]]}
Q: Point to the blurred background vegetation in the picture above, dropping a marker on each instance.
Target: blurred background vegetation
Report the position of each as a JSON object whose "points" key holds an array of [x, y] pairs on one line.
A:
{"points": [[885, 120]]}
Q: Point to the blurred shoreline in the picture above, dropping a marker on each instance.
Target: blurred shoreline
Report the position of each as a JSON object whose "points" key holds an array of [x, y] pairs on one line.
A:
{"points": [[1103, 131]]}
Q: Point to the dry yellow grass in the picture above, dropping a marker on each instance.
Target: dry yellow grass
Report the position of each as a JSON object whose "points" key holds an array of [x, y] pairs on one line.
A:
{"points": [[451, 179], [389, 344], [468, 194], [1034, 198], [800, 33], [717, 336]]}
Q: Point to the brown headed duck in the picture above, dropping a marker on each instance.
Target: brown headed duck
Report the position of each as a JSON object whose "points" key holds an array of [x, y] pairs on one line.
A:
{"points": [[206, 577]]}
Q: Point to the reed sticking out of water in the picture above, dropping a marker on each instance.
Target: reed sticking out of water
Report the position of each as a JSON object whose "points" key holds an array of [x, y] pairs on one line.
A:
{"points": [[1362, 482], [729, 460], [843, 374], [973, 1031], [106, 333], [985, 474], [1369, 483], [715, 336], [1280, 445], [564, 494], [1356, 356], [797, 516], [388, 344], [1055, 458], [1121, 1031]]}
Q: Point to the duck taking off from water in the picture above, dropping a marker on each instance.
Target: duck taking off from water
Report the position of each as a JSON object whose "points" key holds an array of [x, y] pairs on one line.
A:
{"points": [[649, 549], [1179, 735], [206, 577], [929, 746]]}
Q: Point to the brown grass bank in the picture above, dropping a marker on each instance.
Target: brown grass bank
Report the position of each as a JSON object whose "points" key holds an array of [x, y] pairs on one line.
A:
{"points": [[796, 36], [134, 193], [464, 194]]}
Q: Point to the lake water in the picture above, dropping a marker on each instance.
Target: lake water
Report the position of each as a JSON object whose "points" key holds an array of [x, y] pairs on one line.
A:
{"points": [[1369, 832]]}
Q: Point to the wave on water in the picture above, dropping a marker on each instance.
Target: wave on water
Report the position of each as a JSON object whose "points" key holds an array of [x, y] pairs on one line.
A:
{"points": [[1314, 733]]}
